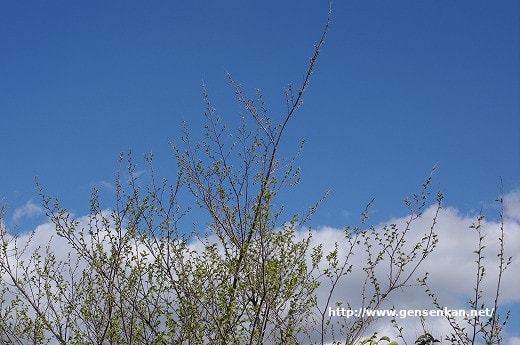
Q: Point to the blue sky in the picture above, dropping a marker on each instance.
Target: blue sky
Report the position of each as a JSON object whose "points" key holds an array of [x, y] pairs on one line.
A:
{"points": [[400, 86]]}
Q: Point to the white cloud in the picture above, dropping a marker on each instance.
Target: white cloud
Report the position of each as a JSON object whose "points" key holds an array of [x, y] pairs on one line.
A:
{"points": [[30, 209], [453, 267], [107, 186], [514, 341], [512, 205]]}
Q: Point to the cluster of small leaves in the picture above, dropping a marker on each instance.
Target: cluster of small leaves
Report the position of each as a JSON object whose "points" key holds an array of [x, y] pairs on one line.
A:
{"points": [[426, 339], [373, 340]]}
